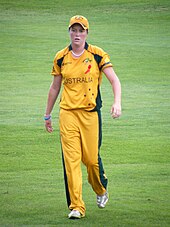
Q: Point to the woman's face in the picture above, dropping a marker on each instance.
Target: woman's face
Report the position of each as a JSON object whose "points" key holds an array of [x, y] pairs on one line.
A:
{"points": [[78, 35]]}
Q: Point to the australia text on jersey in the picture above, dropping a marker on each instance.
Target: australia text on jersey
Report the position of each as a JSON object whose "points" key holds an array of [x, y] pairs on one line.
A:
{"points": [[77, 80]]}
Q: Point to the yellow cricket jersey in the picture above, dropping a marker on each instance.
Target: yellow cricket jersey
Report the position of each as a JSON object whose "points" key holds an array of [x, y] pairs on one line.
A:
{"points": [[81, 77]]}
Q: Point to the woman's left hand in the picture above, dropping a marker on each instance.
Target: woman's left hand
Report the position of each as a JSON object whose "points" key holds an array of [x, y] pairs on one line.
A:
{"points": [[116, 110]]}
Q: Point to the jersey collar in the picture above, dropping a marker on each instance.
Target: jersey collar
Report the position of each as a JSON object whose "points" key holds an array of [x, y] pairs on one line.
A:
{"points": [[85, 47]]}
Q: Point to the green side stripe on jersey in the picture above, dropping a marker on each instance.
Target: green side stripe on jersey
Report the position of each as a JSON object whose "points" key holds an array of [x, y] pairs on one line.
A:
{"points": [[59, 61], [98, 59], [103, 178]]}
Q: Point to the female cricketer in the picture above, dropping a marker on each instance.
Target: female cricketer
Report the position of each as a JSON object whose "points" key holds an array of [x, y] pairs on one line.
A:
{"points": [[78, 69]]}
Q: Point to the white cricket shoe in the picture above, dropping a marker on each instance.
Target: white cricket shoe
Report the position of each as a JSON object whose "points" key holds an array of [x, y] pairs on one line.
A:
{"points": [[74, 214], [102, 200]]}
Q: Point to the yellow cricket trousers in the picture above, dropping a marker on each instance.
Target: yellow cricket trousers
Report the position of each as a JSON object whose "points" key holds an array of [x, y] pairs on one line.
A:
{"points": [[80, 133]]}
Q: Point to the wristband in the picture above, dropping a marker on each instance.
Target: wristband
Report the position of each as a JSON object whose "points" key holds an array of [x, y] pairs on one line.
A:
{"points": [[47, 117]]}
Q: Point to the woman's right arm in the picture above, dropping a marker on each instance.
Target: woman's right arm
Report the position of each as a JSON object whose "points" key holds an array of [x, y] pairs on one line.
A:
{"points": [[52, 97]]}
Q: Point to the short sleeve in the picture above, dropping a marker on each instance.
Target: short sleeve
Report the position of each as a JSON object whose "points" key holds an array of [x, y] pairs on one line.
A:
{"points": [[56, 70], [105, 61]]}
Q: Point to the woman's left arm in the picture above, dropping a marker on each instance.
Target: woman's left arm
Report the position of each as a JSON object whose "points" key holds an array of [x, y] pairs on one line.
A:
{"points": [[116, 87]]}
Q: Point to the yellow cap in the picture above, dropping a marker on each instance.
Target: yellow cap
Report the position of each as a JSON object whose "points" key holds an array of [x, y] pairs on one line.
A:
{"points": [[78, 19]]}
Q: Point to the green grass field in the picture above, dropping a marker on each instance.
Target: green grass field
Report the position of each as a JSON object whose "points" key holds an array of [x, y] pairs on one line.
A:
{"points": [[135, 150]]}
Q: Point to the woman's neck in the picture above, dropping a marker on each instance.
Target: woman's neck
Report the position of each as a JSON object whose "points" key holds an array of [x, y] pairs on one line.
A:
{"points": [[78, 50], [77, 55]]}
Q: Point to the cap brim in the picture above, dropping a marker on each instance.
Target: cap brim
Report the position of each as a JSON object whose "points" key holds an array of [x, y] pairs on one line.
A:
{"points": [[84, 27]]}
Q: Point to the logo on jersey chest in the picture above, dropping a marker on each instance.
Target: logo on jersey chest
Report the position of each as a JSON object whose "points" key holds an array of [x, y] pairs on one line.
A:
{"points": [[66, 63], [87, 61], [88, 69]]}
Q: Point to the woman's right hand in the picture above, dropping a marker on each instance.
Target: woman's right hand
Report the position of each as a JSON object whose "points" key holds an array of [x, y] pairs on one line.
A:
{"points": [[48, 126]]}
